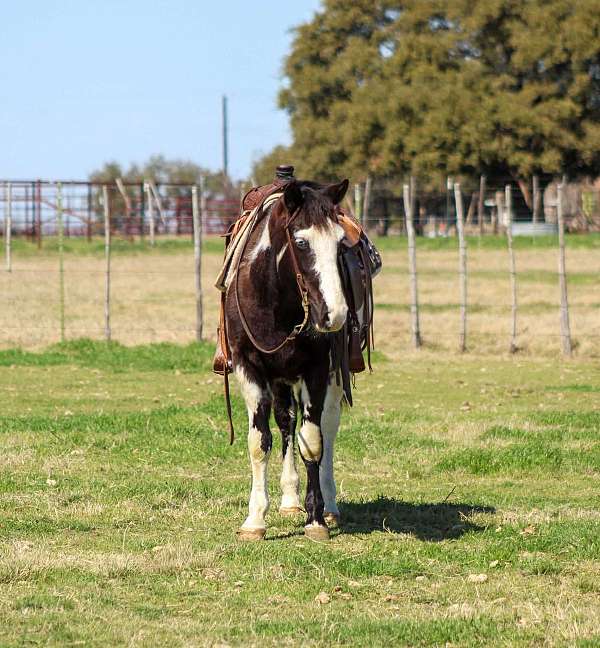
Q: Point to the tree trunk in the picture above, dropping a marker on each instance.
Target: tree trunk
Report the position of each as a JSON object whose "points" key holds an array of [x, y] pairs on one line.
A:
{"points": [[524, 187]]}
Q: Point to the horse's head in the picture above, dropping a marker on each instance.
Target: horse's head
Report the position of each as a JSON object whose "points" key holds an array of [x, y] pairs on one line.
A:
{"points": [[315, 236]]}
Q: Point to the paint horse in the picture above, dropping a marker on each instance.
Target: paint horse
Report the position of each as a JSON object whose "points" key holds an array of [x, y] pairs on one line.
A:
{"points": [[282, 305]]}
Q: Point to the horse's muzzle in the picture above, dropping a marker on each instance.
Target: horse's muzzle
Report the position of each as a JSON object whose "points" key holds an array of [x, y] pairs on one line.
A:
{"points": [[332, 322]]}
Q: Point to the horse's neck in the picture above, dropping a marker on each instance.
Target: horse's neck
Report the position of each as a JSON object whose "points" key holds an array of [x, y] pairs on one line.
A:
{"points": [[273, 299]]}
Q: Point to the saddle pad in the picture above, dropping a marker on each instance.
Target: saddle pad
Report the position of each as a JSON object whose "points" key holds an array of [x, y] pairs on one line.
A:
{"points": [[234, 250]]}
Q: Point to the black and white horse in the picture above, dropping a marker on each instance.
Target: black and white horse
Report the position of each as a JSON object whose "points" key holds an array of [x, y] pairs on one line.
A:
{"points": [[292, 253]]}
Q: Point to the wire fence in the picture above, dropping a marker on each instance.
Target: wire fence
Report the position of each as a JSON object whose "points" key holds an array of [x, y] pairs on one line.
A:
{"points": [[143, 209], [134, 298], [380, 206]]}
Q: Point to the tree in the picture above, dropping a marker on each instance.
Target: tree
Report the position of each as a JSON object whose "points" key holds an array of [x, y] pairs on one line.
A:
{"points": [[505, 87], [162, 171]]}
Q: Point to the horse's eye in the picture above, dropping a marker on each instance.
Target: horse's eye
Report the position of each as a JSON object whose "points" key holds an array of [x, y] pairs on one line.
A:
{"points": [[301, 244]]}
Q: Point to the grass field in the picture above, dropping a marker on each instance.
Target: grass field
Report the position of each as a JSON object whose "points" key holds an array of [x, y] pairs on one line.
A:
{"points": [[469, 492], [469, 485]]}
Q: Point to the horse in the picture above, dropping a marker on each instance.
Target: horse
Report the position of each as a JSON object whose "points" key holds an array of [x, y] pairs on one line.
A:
{"points": [[282, 305]]}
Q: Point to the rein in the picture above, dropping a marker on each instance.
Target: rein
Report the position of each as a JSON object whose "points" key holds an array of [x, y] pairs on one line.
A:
{"points": [[303, 292]]}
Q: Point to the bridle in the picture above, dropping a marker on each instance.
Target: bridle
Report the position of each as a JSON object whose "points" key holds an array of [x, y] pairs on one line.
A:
{"points": [[301, 284]]}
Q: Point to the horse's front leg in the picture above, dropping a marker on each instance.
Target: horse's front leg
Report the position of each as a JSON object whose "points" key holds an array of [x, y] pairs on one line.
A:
{"points": [[258, 401], [310, 444], [285, 406], [330, 422]]}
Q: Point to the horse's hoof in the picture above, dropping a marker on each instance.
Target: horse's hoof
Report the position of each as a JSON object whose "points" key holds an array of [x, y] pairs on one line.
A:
{"points": [[290, 511], [316, 532], [332, 519], [250, 535]]}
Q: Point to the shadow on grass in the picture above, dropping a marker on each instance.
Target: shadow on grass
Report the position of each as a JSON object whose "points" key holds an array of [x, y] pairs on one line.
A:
{"points": [[431, 522]]}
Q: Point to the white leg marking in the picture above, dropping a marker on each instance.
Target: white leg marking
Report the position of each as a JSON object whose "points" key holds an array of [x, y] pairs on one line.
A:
{"points": [[251, 392], [290, 482], [259, 495], [330, 421], [309, 441], [324, 242]]}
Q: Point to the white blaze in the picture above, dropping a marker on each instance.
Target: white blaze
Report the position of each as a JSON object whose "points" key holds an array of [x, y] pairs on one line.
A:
{"points": [[324, 244]]}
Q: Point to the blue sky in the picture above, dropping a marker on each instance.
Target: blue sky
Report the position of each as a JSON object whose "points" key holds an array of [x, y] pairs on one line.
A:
{"points": [[84, 82]]}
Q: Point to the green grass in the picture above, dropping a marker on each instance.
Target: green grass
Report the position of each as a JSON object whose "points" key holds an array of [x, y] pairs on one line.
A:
{"points": [[490, 242], [214, 244], [120, 498], [112, 355], [23, 247]]}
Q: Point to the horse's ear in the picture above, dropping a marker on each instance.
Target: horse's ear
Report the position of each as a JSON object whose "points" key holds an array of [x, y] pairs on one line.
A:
{"points": [[292, 197], [336, 192]]}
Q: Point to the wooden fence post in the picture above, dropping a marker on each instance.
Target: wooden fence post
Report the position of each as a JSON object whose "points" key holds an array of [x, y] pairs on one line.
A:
{"points": [[61, 261], [197, 222], [106, 204], [565, 328], [512, 267], [154, 190], [537, 199], [462, 266], [471, 210], [367, 203], [497, 217], [150, 213], [37, 205], [8, 226], [128, 228], [358, 202], [88, 228], [409, 206], [481, 205]]}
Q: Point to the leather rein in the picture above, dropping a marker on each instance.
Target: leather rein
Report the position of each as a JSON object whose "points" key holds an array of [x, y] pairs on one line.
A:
{"points": [[301, 284]]}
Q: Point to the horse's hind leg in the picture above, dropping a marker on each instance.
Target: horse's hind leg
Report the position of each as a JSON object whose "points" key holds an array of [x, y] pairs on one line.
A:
{"points": [[330, 421], [258, 401], [285, 406]]}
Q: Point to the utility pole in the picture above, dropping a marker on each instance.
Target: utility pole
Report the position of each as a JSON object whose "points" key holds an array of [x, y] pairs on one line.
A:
{"points": [[225, 142]]}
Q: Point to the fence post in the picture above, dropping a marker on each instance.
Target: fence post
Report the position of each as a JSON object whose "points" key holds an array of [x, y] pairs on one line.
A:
{"points": [[8, 226], [409, 203], [565, 329], [358, 203], [367, 203], [197, 222], [61, 264], [462, 266], [142, 211], [88, 228], [150, 213], [497, 217], [127, 201], [471, 210], [481, 204], [106, 205], [37, 203], [512, 267], [537, 199]]}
